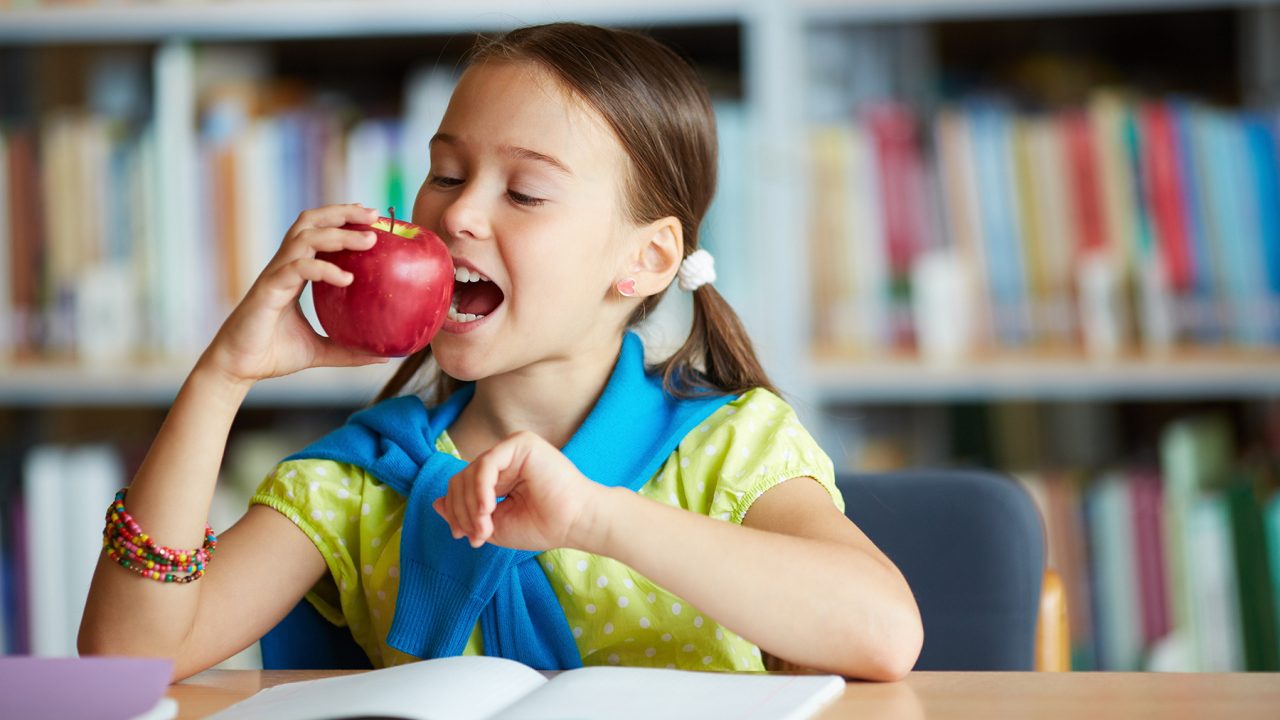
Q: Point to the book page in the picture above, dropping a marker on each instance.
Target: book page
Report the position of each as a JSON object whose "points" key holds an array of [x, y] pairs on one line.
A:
{"points": [[621, 693], [456, 688]]}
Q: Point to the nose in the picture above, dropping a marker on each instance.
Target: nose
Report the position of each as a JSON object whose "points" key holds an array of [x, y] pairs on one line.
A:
{"points": [[465, 215]]}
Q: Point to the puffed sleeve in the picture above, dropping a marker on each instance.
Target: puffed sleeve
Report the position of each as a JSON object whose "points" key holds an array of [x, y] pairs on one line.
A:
{"points": [[323, 498], [747, 447]]}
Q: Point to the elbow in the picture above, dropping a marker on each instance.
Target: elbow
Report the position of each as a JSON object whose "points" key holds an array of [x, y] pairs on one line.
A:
{"points": [[93, 640], [889, 653], [898, 657], [892, 659]]}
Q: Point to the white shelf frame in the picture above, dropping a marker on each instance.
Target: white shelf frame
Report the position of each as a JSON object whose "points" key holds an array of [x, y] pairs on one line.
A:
{"points": [[158, 385], [911, 382], [292, 19]]}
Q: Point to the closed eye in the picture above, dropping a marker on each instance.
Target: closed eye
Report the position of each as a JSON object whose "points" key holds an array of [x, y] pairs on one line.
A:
{"points": [[444, 182], [522, 199]]}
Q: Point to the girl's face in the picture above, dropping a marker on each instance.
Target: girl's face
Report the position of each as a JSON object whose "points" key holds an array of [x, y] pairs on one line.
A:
{"points": [[525, 188]]}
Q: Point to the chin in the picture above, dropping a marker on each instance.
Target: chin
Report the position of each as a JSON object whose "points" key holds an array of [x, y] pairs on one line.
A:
{"points": [[456, 362]]}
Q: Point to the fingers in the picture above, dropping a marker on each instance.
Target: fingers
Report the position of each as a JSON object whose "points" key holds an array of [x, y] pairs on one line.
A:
{"points": [[469, 503], [286, 281], [332, 216], [335, 239], [319, 230], [473, 506]]}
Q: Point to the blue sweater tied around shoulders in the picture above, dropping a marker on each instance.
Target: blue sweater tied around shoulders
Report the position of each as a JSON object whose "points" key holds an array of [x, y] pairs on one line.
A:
{"points": [[445, 584]]}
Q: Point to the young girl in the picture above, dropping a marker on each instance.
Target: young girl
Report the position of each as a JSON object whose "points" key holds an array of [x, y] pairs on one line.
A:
{"points": [[554, 501]]}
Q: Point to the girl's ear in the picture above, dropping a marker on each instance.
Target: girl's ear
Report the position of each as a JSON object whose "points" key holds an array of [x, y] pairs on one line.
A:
{"points": [[658, 259]]}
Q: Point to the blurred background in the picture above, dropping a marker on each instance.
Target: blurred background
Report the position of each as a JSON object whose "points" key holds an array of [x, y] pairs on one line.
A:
{"points": [[1039, 236]]}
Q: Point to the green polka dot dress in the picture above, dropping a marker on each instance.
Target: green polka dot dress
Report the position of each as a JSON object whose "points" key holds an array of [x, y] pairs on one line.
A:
{"points": [[617, 616]]}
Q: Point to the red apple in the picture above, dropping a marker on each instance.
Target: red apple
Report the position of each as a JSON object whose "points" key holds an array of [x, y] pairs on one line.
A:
{"points": [[400, 295]]}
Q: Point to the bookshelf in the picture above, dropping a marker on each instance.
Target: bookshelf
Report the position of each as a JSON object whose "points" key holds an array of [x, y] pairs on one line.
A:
{"points": [[770, 66]]}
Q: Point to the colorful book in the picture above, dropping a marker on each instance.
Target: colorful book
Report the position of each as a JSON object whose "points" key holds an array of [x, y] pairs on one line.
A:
{"points": [[1195, 454], [1146, 497], [1257, 621], [1006, 271], [1201, 311], [963, 214], [1215, 593], [1264, 168], [1114, 559], [1271, 528]]}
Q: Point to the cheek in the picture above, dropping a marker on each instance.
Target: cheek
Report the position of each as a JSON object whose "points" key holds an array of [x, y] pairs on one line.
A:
{"points": [[428, 207]]}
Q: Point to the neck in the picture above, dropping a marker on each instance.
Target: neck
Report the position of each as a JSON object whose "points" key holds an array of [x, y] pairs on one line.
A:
{"points": [[551, 398]]}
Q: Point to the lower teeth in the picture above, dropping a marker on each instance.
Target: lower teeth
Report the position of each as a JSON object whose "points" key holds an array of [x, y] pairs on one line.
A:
{"points": [[456, 316]]}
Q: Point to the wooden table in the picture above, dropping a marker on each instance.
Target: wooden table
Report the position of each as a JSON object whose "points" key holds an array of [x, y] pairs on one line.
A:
{"points": [[1078, 696]]}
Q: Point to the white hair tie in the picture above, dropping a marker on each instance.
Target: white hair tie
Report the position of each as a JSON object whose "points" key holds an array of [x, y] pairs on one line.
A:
{"points": [[697, 270]]}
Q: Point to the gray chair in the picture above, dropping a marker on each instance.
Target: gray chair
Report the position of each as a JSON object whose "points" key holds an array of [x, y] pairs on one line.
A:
{"points": [[971, 546]]}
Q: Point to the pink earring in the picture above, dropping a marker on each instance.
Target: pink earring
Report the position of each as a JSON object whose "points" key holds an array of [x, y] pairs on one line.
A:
{"points": [[627, 288]]}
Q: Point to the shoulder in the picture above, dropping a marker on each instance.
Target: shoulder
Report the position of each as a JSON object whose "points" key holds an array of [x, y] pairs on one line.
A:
{"points": [[743, 449]]}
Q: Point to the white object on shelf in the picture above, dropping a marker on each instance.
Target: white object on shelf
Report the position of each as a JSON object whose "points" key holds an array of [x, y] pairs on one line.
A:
{"points": [[66, 490], [107, 314], [1101, 305], [940, 291], [177, 274]]}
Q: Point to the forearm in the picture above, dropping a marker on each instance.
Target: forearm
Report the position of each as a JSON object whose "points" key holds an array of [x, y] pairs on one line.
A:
{"points": [[170, 497], [820, 604]]}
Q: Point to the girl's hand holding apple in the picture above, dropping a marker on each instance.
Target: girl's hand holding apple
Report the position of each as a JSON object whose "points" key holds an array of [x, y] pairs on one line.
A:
{"points": [[267, 335]]}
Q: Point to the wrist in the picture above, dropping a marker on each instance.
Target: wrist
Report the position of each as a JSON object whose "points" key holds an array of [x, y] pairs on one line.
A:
{"points": [[592, 531], [207, 378]]}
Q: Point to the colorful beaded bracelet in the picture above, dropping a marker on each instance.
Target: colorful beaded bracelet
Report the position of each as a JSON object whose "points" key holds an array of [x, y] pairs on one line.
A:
{"points": [[131, 548]]}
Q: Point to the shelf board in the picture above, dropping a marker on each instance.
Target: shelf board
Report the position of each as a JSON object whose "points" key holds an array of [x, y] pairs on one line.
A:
{"points": [[70, 385], [1179, 377], [882, 10], [285, 19]]}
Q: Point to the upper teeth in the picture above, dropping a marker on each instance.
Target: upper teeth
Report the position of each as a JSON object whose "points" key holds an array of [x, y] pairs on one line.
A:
{"points": [[462, 274]]}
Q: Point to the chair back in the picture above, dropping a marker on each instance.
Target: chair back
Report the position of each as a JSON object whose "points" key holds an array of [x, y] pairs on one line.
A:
{"points": [[971, 546], [304, 640]]}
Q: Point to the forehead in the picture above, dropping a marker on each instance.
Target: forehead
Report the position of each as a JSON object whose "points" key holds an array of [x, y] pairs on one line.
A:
{"points": [[520, 104]]}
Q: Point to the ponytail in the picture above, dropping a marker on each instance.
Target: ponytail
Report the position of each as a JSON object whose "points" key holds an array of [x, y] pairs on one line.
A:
{"points": [[717, 356]]}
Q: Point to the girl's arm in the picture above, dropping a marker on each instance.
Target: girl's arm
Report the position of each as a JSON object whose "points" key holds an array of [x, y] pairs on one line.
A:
{"points": [[797, 578], [263, 564]]}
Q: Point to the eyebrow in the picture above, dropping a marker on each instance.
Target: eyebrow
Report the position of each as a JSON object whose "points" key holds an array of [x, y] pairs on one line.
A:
{"points": [[518, 153]]}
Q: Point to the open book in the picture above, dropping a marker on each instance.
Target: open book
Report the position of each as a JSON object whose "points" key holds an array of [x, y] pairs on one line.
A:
{"points": [[489, 688]]}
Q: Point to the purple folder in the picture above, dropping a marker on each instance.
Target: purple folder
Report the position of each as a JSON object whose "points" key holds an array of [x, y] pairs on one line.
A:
{"points": [[102, 688]]}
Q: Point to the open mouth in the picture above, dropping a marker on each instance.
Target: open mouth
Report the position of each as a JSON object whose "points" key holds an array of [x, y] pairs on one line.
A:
{"points": [[474, 296]]}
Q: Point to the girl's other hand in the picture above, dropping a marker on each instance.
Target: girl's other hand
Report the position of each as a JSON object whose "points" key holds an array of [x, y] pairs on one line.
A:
{"points": [[548, 503], [267, 335]]}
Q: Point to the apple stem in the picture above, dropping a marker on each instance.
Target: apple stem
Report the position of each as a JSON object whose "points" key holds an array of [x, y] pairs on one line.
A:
{"points": [[392, 210]]}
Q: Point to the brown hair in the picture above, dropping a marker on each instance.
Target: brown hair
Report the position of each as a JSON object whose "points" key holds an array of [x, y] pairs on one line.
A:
{"points": [[661, 113]]}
